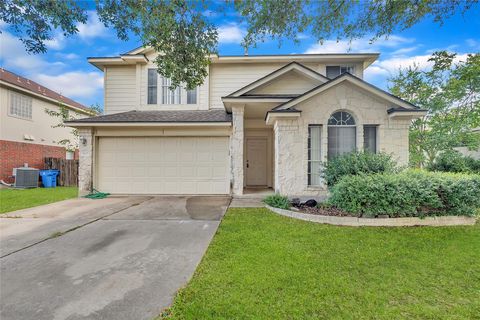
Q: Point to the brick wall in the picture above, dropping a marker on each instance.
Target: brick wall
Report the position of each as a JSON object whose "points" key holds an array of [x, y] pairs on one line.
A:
{"points": [[15, 154]]}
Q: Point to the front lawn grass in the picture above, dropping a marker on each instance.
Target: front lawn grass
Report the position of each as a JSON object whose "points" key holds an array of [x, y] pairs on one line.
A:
{"points": [[264, 266], [16, 199]]}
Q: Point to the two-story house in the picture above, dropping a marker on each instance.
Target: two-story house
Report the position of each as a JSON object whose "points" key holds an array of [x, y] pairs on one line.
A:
{"points": [[28, 133], [266, 121]]}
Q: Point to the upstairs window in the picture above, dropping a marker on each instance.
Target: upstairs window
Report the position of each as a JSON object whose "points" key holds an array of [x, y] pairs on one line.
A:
{"points": [[192, 96], [20, 106], [152, 86], [170, 96], [165, 95], [370, 138], [342, 134], [335, 71]]}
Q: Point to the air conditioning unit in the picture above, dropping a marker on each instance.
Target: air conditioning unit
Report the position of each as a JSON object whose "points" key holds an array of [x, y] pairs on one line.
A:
{"points": [[26, 178]]}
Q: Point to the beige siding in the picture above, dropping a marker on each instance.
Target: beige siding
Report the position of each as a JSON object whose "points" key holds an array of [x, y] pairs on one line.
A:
{"points": [[39, 127], [227, 78], [290, 83], [120, 89]]}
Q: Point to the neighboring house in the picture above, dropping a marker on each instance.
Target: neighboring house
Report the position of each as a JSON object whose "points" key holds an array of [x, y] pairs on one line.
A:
{"points": [[256, 122], [475, 154], [26, 133]]}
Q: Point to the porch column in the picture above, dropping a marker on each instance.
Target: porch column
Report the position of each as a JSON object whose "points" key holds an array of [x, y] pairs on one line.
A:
{"points": [[85, 161], [288, 157], [237, 149]]}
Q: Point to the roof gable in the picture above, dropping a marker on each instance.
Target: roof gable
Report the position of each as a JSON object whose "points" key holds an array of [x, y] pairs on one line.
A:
{"points": [[347, 77], [278, 78]]}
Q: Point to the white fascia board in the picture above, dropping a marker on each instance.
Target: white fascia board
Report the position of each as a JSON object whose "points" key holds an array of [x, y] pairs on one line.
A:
{"points": [[272, 116], [407, 114]]}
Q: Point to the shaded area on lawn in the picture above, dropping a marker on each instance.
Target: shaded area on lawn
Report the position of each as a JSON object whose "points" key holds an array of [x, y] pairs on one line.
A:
{"points": [[264, 266], [16, 199]]}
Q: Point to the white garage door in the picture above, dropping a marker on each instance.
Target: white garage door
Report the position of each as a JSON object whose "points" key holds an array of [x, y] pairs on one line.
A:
{"points": [[163, 165]]}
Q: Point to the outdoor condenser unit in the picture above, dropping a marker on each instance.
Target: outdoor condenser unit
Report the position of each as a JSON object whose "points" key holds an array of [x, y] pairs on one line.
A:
{"points": [[26, 178]]}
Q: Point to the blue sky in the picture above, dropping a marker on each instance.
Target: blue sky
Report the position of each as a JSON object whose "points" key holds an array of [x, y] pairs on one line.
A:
{"points": [[64, 67]]}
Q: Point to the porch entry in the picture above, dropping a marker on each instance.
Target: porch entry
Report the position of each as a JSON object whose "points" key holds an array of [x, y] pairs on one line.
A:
{"points": [[256, 162]]}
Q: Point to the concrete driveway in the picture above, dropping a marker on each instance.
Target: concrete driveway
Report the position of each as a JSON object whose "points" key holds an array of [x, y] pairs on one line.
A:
{"points": [[115, 258]]}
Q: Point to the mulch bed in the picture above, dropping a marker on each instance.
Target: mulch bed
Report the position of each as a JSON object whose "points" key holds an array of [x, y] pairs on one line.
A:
{"points": [[325, 211]]}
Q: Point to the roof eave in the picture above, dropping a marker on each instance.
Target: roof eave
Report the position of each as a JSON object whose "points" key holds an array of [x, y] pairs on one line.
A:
{"points": [[83, 124]]}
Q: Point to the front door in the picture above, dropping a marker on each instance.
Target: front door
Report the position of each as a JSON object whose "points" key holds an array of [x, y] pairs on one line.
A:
{"points": [[256, 164]]}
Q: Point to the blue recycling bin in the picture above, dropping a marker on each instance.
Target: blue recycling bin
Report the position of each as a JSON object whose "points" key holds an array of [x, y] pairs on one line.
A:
{"points": [[49, 178]]}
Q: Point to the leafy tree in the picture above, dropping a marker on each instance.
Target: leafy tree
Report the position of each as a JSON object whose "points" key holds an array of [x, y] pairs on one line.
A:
{"points": [[450, 91], [185, 36]]}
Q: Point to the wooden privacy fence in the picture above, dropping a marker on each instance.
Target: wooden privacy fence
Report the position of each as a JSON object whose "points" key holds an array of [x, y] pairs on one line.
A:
{"points": [[68, 176]]}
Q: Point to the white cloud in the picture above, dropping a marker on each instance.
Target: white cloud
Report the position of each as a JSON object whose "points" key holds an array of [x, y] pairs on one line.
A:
{"points": [[82, 85], [75, 84], [94, 28], [302, 36], [358, 45], [13, 55], [67, 56], [57, 43], [381, 70], [230, 33], [403, 51], [473, 44]]}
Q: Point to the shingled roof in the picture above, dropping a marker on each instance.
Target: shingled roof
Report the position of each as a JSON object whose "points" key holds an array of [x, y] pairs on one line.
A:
{"points": [[185, 116], [36, 88]]}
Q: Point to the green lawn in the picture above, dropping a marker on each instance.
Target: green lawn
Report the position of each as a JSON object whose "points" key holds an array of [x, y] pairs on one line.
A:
{"points": [[264, 266], [16, 199]]}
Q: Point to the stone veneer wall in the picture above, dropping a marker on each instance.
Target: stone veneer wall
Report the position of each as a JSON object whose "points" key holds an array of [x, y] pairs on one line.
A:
{"points": [[236, 149], [85, 166], [291, 135]]}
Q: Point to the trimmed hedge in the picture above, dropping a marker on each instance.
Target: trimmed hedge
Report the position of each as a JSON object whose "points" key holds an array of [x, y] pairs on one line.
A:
{"points": [[277, 201], [357, 163], [454, 161], [412, 193]]}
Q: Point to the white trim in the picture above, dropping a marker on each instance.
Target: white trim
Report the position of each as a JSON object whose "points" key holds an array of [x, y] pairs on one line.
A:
{"points": [[271, 117], [353, 80], [123, 59], [407, 114], [254, 100], [29, 92], [148, 124]]}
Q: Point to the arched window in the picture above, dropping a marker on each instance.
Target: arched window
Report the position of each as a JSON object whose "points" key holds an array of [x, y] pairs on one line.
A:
{"points": [[342, 134]]}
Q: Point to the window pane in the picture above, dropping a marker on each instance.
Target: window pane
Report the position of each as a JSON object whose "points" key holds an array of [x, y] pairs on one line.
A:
{"points": [[333, 71], [20, 105], [341, 140], [314, 155], [192, 96], [341, 118], [152, 86], [370, 139]]}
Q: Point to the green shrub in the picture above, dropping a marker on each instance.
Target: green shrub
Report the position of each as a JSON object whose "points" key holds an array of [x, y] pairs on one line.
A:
{"points": [[277, 201], [454, 161], [356, 163], [413, 193]]}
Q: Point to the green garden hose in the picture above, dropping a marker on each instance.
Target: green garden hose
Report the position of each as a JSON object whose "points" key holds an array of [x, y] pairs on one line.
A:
{"points": [[95, 194]]}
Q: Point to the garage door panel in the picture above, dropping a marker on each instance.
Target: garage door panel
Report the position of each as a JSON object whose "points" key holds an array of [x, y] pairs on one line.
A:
{"points": [[163, 165]]}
